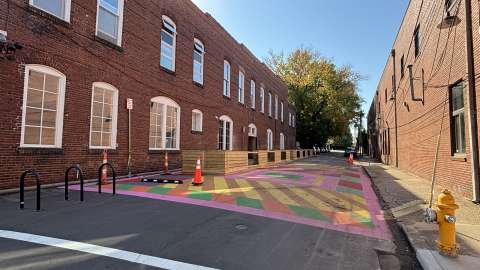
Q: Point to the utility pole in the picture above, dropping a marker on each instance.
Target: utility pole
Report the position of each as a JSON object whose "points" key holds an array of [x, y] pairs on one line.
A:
{"points": [[471, 100], [394, 90]]}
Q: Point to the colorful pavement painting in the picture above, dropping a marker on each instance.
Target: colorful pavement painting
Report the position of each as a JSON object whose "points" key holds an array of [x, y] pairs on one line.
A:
{"points": [[328, 196]]}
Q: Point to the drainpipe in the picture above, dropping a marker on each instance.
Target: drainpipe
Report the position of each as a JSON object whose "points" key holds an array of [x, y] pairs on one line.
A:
{"points": [[471, 101], [394, 89]]}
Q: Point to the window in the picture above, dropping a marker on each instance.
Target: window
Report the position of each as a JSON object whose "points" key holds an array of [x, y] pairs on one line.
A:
{"points": [[276, 107], [241, 87], [43, 101], [198, 56], [262, 100], [252, 130], [110, 20], [289, 119], [252, 94], [293, 120], [449, 5], [252, 138], [225, 133], [269, 140], [167, 47], [457, 119], [282, 141], [103, 122], [402, 66], [386, 95], [416, 40], [269, 104], [58, 8], [281, 111], [164, 124], [197, 120], [226, 78]]}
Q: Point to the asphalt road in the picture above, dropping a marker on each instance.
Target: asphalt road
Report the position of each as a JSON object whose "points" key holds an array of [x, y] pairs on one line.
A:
{"points": [[184, 233]]}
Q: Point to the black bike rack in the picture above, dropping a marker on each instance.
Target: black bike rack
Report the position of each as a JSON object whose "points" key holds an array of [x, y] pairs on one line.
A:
{"points": [[22, 188], [77, 169], [100, 177]]}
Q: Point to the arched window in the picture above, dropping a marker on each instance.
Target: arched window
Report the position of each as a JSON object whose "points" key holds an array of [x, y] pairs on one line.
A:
{"points": [[225, 133], [164, 124], [269, 140], [282, 141], [103, 120], [226, 78], [168, 44], [43, 101], [270, 104], [252, 130], [197, 120], [198, 56]]}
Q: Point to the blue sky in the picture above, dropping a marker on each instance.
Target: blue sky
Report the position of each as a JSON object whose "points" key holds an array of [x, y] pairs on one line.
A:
{"points": [[351, 32]]}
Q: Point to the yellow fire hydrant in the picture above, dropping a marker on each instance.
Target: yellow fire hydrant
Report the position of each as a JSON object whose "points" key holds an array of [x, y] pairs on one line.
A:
{"points": [[445, 218]]}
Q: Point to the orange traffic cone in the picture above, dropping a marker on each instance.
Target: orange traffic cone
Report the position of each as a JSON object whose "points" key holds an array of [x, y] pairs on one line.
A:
{"points": [[104, 170], [165, 165], [197, 178], [350, 159]]}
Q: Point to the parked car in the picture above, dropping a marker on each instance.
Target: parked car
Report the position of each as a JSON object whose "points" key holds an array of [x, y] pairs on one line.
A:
{"points": [[349, 150]]}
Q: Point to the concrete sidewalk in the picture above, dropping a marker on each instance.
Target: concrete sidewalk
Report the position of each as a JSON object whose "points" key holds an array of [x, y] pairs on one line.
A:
{"points": [[405, 196]]}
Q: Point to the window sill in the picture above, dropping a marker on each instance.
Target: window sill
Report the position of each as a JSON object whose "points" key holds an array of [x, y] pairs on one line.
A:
{"points": [[39, 151], [241, 104], [196, 132], [158, 152], [108, 43], [50, 17], [171, 72], [197, 84], [459, 158], [227, 97], [99, 151]]}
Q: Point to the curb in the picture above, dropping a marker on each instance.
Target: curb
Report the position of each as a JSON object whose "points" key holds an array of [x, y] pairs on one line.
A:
{"points": [[425, 257]]}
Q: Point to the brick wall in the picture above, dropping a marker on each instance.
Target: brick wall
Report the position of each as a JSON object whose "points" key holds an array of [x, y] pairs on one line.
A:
{"points": [[134, 69], [443, 61]]}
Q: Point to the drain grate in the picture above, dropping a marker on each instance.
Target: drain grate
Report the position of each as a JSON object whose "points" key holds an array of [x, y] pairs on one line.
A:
{"points": [[241, 227]]}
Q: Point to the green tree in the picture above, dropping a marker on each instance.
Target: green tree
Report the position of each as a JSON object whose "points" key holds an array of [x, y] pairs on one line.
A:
{"points": [[325, 96]]}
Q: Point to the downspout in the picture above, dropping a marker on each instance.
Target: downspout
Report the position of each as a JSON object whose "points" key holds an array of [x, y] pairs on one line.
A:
{"points": [[394, 89], [471, 101]]}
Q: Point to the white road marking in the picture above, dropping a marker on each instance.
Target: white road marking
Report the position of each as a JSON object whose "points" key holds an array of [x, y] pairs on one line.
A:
{"points": [[102, 251]]}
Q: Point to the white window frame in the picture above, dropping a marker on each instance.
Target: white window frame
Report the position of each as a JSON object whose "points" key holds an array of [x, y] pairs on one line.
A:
{"points": [[262, 99], [113, 142], [241, 86], [281, 111], [166, 102], [276, 107], [60, 105], [224, 119], [269, 140], [120, 21], [166, 20], [252, 94], [201, 120], [289, 119], [226, 80], [67, 11], [293, 120], [282, 141], [200, 49], [270, 104], [252, 130]]}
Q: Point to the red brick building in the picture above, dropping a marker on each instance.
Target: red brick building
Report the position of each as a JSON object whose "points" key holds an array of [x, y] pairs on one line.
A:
{"points": [[193, 87], [428, 85]]}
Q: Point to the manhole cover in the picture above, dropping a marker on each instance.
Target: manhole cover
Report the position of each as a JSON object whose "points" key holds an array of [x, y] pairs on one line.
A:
{"points": [[241, 227]]}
